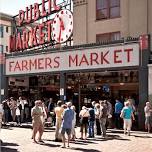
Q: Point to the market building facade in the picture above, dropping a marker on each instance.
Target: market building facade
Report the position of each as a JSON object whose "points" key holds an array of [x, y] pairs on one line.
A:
{"points": [[99, 65]]}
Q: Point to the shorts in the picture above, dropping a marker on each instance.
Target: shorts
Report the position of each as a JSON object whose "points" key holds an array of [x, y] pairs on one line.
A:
{"points": [[67, 130], [147, 120]]}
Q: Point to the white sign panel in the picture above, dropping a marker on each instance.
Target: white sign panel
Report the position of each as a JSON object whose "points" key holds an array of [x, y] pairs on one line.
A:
{"points": [[92, 58]]}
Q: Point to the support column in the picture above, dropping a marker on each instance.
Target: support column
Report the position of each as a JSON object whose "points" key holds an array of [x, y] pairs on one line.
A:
{"points": [[63, 86], [143, 95], [143, 78], [3, 79]]}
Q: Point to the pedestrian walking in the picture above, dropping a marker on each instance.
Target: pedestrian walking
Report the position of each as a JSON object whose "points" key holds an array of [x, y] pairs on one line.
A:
{"points": [[36, 114], [117, 112], [127, 115], [58, 111], [13, 106], [97, 113], [68, 116], [91, 122], [148, 112], [103, 117], [1, 115], [18, 112], [73, 133]]}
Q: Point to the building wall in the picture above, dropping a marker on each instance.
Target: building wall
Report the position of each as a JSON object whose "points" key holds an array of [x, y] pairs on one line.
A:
{"points": [[135, 19], [5, 40]]}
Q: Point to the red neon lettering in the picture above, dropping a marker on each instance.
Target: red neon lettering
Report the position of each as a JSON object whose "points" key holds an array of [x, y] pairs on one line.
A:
{"points": [[49, 7], [57, 62], [43, 14], [36, 11], [71, 60], [84, 60], [103, 57], [19, 42], [33, 36], [128, 51], [55, 5], [21, 17], [116, 56], [93, 58], [48, 23], [41, 34], [25, 39], [12, 42], [29, 14]]}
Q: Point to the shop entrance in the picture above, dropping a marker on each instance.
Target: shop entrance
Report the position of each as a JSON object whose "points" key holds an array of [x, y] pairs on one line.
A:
{"points": [[35, 87], [83, 88]]}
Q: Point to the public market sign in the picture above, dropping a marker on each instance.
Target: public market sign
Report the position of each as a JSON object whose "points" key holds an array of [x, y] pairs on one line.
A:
{"points": [[91, 58], [58, 29]]}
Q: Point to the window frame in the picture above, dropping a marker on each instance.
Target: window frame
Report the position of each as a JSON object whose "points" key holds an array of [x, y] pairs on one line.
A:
{"points": [[1, 46], [109, 7], [1, 31], [109, 35], [7, 29]]}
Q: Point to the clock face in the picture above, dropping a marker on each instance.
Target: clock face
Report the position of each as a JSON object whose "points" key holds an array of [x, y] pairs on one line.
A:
{"points": [[62, 26]]}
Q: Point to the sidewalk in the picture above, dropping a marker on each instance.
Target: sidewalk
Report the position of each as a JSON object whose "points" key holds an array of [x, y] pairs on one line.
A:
{"points": [[17, 139]]}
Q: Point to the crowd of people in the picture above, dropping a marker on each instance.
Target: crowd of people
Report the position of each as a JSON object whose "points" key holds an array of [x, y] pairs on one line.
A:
{"points": [[94, 119]]}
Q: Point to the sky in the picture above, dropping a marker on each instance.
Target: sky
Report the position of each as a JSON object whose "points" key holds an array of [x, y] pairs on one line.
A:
{"points": [[12, 7]]}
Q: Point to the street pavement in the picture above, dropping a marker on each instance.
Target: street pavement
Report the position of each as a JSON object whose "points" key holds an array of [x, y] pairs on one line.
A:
{"points": [[15, 139]]}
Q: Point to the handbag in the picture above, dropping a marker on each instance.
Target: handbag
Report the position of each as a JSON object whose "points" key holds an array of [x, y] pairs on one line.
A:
{"points": [[81, 119]]}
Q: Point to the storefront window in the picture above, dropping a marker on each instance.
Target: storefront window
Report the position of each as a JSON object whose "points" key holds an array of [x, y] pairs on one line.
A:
{"points": [[106, 9]]}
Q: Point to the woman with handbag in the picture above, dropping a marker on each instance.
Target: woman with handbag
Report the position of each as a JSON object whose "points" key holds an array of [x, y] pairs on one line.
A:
{"points": [[84, 114]]}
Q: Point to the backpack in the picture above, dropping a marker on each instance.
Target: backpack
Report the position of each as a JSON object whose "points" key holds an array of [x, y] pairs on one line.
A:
{"points": [[104, 112]]}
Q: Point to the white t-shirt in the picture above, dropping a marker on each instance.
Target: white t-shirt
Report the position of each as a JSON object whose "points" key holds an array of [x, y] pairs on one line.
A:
{"points": [[147, 111]]}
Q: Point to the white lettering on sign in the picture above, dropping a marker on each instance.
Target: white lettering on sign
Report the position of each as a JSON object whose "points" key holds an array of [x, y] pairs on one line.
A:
{"points": [[92, 58]]}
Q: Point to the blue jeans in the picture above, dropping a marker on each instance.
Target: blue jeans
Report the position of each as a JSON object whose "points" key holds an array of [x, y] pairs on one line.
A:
{"points": [[91, 128]]}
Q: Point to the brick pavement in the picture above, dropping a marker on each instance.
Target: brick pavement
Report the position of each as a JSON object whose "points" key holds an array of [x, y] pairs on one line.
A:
{"points": [[18, 140]]}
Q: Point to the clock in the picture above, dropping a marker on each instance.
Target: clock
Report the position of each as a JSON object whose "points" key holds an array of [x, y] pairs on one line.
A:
{"points": [[62, 26]]}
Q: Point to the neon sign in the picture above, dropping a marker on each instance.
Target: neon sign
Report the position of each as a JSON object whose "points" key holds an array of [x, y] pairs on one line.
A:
{"points": [[58, 29]]}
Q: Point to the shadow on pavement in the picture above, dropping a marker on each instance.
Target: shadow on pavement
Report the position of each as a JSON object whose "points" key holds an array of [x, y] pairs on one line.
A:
{"points": [[4, 148], [49, 145], [9, 144], [109, 137], [85, 150], [83, 142], [7, 149], [6, 127], [141, 136]]}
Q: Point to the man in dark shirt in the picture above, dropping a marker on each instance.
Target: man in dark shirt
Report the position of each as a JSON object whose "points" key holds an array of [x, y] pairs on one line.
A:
{"points": [[91, 122]]}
